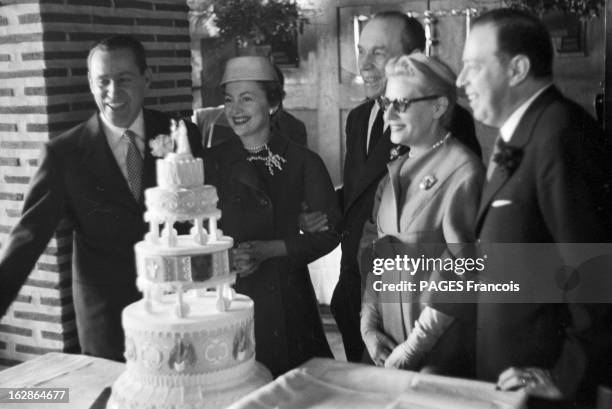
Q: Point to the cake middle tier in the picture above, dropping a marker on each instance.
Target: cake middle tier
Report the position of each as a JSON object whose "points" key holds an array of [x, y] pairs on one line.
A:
{"points": [[187, 262], [181, 204], [203, 348]]}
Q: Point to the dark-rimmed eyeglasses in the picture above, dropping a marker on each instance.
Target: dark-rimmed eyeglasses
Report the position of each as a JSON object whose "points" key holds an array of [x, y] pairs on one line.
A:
{"points": [[402, 105]]}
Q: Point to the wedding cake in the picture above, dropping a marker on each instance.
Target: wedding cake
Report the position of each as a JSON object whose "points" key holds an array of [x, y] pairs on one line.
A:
{"points": [[185, 347]]}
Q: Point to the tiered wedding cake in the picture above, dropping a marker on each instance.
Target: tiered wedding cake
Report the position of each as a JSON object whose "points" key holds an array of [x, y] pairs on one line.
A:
{"points": [[185, 347]]}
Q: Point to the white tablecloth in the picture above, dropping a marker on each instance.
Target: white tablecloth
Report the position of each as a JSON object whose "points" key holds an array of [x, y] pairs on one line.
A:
{"points": [[318, 384], [328, 384]]}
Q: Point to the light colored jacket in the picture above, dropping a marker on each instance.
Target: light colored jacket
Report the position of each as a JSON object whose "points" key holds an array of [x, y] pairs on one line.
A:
{"points": [[423, 201]]}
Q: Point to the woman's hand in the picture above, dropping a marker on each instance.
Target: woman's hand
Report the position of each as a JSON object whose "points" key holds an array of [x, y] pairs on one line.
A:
{"points": [[249, 255], [536, 382], [312, 222], [379, 346], [401, 358]]}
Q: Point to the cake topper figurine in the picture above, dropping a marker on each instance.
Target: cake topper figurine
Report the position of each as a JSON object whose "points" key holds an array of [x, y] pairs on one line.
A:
{"points": [[177, 141], [179, 135]]}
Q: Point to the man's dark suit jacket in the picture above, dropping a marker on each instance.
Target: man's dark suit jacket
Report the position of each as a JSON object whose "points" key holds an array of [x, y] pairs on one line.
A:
{"points": [[362, 173], [548, 198], [79, 178]]}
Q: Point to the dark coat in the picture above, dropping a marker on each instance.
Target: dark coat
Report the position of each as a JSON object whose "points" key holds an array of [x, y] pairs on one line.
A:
{"points": [[79, 178], [288, 329], [548, 198]]}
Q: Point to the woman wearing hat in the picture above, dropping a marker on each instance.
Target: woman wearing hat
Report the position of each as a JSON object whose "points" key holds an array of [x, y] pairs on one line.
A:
{"points": [[427, 202], [262, 178]]}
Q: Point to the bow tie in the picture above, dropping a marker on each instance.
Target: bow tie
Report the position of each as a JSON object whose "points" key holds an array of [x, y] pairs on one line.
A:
{"points": [[506, 156]]}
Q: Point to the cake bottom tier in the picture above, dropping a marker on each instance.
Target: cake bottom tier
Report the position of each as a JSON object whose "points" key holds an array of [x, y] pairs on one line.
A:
{"points": [[129, 392]]}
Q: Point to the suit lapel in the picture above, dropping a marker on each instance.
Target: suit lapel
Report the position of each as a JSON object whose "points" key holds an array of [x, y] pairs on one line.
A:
{"points": [[520, 139], [394, 181], [362, 131], [100, 161], [498, 179], [373, 165]]}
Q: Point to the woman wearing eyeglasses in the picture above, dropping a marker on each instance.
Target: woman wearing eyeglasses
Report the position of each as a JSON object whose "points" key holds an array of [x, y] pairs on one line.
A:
{"points": [[427, 202]]}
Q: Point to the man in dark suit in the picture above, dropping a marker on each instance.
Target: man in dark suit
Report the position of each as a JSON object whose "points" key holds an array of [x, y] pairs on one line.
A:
{"points": [[541, 188], [95, 175], [386, 35]]}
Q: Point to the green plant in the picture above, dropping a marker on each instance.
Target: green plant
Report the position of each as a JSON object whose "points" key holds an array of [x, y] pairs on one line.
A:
{"points": [[258, 21], [582, 8]]}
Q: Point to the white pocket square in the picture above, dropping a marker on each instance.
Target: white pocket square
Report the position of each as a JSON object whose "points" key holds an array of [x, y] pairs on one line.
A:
{"points": [[500, 203]]}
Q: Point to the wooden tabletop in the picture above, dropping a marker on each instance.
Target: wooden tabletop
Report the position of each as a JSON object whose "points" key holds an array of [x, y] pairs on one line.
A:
{"points": [[84, 376]]}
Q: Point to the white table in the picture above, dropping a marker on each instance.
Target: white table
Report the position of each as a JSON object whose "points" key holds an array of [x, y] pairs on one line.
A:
{"points": [[328, 384], [85, 376]]}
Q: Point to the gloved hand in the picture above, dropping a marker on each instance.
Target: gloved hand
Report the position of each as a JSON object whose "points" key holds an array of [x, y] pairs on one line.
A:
{"points": [[379, 346], [402, 358]]}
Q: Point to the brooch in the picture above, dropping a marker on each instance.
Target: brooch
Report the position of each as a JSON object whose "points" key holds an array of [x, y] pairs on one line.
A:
{"points": [[271, 160], [507, 157], [427, 182]]}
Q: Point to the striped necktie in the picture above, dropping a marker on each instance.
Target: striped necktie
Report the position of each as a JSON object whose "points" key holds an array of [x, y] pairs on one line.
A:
{"points": [[134, 164]]}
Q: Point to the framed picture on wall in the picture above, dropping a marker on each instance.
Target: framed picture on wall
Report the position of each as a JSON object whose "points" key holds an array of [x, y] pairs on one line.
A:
{"points": [[567, 32]]}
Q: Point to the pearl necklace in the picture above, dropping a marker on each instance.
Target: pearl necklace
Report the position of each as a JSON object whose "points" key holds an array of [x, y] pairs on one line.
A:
{"points": [[440, 142], [435, 145], [256, 149]]}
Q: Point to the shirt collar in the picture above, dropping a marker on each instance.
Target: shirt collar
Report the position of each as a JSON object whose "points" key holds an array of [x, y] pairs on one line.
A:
{"points": [[508, 128], [114, 133]]}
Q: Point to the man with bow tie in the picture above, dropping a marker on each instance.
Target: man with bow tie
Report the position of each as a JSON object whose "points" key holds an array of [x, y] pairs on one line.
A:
{"points": [[543, 187], [95, 175]]}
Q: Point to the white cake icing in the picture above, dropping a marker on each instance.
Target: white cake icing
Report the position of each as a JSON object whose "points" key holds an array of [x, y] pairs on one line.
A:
{"points": [[206, 360], [181, 204], [188, 263], [210, 341], [186, 348], [180, 170]]}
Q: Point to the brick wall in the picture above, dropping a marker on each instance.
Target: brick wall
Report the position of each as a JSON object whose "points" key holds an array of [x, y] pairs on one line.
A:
{"points": [[43, 91]]}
